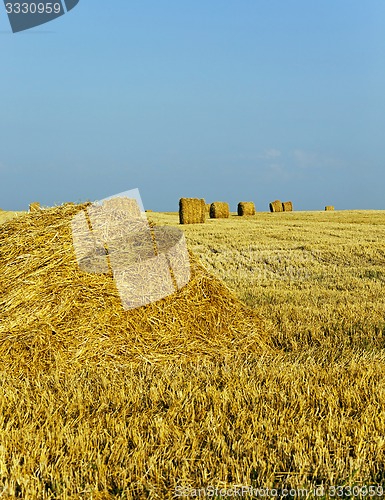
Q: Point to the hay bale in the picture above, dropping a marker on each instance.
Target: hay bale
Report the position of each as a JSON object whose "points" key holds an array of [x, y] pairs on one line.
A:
{"points": [[34, 207], [287, 206], [276, 206], [246, 208], [329, 208], [192, 211], [208, 205], [219, 210]]}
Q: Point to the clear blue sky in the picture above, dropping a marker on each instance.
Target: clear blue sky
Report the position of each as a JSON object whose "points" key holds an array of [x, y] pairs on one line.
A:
{"points": [[229, 100]]}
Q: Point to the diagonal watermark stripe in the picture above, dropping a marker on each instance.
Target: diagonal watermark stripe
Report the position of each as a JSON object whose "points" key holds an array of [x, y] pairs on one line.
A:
{"points": [[114, 237]]}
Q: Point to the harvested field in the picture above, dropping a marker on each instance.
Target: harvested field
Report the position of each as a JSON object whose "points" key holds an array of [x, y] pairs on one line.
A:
{"points": [[196, 389]]}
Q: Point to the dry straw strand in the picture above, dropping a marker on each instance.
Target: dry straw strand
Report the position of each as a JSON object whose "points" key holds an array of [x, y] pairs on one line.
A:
{"points": [[34, 207], [276, 206], [219, 210], [192, 211], [329, 208], [287, 206], [246, 208]]}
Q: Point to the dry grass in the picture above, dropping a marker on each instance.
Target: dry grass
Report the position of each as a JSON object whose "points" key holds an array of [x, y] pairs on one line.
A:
{"points": [[246, 208], [219, 210], [133, 413]]}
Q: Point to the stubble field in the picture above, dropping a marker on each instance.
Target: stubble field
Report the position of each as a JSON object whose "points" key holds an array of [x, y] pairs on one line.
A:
{"points": [[308, 410]]}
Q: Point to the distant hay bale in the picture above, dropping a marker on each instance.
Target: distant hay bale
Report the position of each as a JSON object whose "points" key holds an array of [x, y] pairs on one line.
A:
{"points": [[149, 210], [192, 211], [276, 206], [219, 210], [34, 207], [329, 208], [287, 206], [246, 208]]}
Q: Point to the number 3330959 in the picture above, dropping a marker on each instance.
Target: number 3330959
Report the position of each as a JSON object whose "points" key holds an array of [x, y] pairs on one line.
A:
{"points": [[33, 8]]}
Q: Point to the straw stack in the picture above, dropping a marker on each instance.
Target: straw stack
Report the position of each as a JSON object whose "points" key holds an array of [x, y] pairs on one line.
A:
{"points": [[58, 313], [219, 210], [246, 208], [192, 211], [329, 208]]}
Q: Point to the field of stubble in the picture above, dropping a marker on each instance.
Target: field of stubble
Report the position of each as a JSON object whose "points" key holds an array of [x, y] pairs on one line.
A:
{"points": [[310, 411]]}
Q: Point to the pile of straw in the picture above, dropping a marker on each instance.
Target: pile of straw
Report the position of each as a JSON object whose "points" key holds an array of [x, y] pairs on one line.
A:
{"points": [[192, 210], [208, 205], [54, 312], [219, 210], [276, 206], [246, 208], [33, 207], [329, 208], [287, 206]]}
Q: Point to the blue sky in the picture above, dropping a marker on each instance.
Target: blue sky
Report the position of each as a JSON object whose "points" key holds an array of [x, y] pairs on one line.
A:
{"points": [[229, 100]]}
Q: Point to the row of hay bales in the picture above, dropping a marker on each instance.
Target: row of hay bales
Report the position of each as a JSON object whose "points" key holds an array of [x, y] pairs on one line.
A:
{"points": [[195, 210], [287, 206]]}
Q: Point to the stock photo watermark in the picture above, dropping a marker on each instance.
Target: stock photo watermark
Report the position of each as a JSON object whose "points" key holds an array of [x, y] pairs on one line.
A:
{"points": [[251, 492], [113, 236], [28, 14]]}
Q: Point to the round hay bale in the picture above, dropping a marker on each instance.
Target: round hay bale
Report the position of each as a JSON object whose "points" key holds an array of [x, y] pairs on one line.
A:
{"points": [[219, 210], [329, 208], [192, 211], [34, 207], [246, 208], [208, 205], [287, 206], [276, 206]]}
